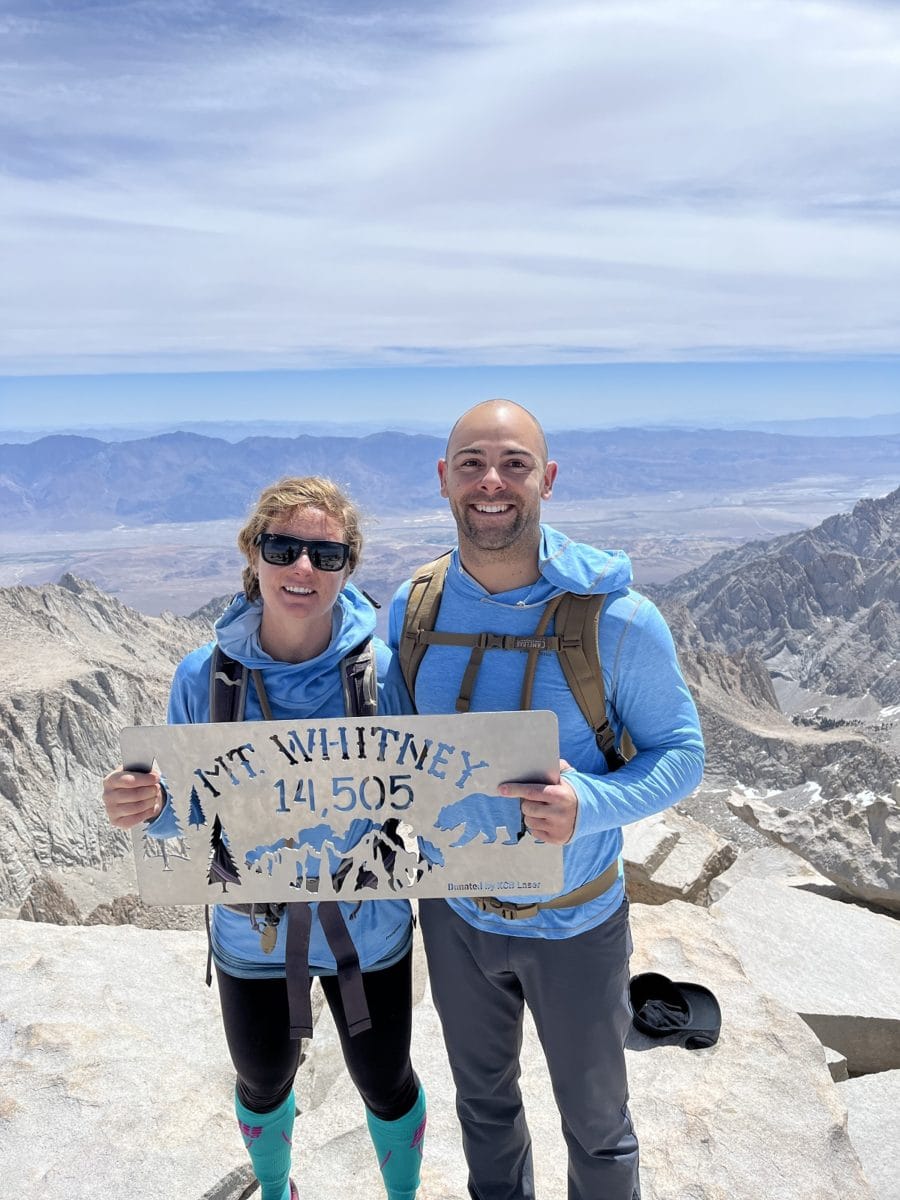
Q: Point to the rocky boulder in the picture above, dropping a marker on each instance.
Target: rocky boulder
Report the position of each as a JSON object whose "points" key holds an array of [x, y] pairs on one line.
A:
{"points": [[757, 1115], [48, 901], [766, 862], [854, 841], [672, 857], [833, 963], [873, 1122], [111, 1040]]}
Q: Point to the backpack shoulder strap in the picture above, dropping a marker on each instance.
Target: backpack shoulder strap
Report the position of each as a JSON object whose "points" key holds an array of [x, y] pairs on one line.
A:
{"points": [[578, 623], [227, 698], [422, 605], [359, 681], [227, 687]]}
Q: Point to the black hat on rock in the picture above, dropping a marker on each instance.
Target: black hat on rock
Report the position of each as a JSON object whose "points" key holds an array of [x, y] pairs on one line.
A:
{"points": [[686, 1013]]}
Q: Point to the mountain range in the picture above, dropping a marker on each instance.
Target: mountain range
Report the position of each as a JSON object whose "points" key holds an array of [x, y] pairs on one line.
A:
{"points": [[76, 666], [237, 430], [65, 482], [820, 608]]}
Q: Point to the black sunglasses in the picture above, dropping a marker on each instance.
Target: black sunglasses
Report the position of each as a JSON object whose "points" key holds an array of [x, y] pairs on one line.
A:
{"points": [[281, 550]]}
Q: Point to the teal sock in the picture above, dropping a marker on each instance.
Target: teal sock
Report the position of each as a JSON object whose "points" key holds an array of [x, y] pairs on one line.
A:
{"points": [[398, 1145], [267, 1137]]}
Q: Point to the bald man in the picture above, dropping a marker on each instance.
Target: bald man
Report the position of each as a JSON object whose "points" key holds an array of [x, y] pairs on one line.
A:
{"points": [[569, 962]]}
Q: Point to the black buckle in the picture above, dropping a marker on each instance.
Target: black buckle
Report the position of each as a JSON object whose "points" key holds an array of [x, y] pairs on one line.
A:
{"points": [[507, 909], [491, 641]]}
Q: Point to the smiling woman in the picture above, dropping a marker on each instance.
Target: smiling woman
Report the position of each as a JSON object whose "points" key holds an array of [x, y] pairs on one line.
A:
{"points": [[298, 563], [296, 620]]}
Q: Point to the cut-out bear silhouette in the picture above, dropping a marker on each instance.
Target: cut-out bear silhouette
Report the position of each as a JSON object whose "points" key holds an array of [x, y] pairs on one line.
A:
{"points": [[483, 815]]}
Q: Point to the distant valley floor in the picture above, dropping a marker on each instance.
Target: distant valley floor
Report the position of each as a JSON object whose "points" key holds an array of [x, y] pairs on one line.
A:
{"points": [[180, 567]]}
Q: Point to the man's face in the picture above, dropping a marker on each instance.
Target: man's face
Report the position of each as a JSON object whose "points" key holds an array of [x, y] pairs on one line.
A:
{"points": [[495, 477]]}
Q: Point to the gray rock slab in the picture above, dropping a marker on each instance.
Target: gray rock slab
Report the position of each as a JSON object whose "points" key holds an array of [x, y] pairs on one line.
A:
{"points": [[765, 862], [835, 964], [647, 843], [114, 1074], [115, 1081], [854, 841], [837, 1064], [756, 1115], [873, 1122], [670, 856]]}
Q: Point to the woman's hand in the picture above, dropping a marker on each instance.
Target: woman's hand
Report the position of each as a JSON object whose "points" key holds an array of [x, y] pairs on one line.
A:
{"points": [[131, 797]]}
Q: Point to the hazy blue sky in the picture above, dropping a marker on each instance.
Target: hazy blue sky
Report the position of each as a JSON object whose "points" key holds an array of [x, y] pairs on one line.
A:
{"points": [[205, 186], [561, 396]]}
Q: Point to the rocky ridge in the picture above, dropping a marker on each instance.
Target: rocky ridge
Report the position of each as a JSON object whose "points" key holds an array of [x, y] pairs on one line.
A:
{"points": [[750, 741], [821, 609], [76, 666]]}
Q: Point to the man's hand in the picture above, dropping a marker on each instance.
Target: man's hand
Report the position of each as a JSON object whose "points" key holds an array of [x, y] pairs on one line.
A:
{"points": [[549, 809], [131, 797]]}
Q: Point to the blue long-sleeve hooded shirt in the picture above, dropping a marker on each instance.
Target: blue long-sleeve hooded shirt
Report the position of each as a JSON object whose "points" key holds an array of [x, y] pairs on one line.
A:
{"points": [[645, 694], [381, 930]]}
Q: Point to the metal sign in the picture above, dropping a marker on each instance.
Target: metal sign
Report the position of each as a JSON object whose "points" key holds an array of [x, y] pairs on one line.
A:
{"points": [[344, 808]]}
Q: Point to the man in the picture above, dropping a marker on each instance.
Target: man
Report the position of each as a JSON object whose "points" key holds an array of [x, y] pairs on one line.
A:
{"points": [[568, 964]]}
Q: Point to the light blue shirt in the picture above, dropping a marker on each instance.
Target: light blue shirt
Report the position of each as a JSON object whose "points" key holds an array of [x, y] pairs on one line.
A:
{"points": [[645, 694], [381, 929]]}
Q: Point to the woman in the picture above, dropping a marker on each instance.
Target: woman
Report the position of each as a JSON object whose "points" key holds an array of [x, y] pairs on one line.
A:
{"points": [[296, 620]]}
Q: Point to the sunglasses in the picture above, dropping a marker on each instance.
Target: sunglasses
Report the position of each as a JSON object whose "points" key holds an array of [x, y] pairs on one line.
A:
{"points": [[281, 550]]}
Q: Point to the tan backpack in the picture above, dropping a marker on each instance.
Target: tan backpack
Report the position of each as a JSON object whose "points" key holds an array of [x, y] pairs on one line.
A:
{"points": [[576, 623]]}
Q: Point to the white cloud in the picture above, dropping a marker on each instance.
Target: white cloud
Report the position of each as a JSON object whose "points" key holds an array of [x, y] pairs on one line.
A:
{"points": [[266, 184]]}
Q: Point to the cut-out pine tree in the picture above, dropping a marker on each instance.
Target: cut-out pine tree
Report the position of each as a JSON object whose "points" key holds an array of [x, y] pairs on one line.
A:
{"points": [[164, 837], [196, 816], [222, 867]]}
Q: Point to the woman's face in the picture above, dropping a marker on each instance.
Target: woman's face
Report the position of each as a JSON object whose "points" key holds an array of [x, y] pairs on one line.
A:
{"points": [[299, 593]]}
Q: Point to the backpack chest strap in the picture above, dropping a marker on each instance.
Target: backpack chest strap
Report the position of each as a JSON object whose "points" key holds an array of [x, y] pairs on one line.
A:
{"points": [[531, 644], [490, 641], [575, 641]]}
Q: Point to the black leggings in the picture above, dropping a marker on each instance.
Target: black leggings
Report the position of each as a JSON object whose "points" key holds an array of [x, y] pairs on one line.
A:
{"points": [[255, 1015]]}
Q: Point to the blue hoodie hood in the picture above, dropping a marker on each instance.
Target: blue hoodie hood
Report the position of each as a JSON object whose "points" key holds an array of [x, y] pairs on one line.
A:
{"points": [[573, 567], [565, 566], [237, 632]]}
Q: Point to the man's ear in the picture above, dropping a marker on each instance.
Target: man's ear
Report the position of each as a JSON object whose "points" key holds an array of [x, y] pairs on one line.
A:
{"points": [[442, 475], [548, 480]]}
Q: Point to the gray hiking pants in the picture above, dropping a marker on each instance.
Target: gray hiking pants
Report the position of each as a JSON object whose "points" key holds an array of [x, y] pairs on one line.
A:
{"points": [[577, 991]]}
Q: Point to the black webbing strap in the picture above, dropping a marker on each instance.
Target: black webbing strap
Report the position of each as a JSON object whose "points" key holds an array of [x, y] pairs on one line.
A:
{"points": [[358, 681], [261, 694], [350, 980], [228, 689], [296, 969], [349, 976], [534, 651], [532, 644], [467, 687], [208, 946]]}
